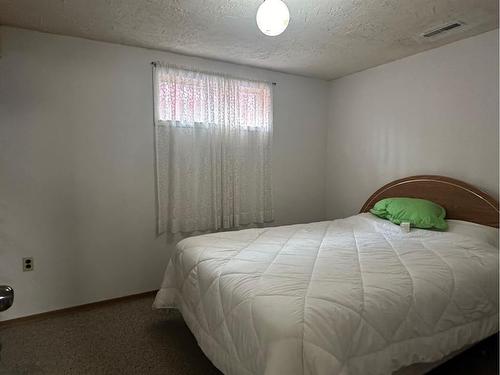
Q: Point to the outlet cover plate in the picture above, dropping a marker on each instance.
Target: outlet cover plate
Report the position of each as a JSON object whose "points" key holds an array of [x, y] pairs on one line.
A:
{"points": [[28, 264]]}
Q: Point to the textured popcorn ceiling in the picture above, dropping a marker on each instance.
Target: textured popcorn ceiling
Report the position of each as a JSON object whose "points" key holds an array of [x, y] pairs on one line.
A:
{"points": [[325, 38]]}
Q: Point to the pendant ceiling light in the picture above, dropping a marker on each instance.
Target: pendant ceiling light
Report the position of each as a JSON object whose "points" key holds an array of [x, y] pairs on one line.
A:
{"points": [[273, 17]]}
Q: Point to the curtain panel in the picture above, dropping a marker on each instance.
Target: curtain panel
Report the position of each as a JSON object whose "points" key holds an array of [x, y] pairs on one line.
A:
{"points": [[213, 150]]}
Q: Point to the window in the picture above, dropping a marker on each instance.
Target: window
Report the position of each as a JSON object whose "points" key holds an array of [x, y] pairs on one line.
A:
{"points": [[213, 150], [189, 98]]}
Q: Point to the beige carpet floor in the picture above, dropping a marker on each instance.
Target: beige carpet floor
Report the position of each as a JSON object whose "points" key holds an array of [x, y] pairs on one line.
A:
{"points": [[129, 337]]}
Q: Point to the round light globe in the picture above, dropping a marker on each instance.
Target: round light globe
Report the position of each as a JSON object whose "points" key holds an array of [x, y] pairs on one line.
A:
{"points": [[273, 17]]}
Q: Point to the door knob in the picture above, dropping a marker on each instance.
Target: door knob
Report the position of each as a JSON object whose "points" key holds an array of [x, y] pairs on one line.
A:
{"points": [[6, 297]]}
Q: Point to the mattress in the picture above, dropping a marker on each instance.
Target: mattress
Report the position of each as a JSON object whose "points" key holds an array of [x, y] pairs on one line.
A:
{"points": [[349, 296]]}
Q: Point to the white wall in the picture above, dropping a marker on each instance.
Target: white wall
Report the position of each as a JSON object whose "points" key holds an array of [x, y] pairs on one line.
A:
{"points": [[432, 113], [76, 165]]}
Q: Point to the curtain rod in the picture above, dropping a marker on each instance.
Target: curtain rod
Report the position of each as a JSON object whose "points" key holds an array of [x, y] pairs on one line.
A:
{"points": [[155, 63]]}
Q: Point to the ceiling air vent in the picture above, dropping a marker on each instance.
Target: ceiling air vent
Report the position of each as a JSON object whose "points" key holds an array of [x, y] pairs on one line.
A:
{"points": [[441, 30]]}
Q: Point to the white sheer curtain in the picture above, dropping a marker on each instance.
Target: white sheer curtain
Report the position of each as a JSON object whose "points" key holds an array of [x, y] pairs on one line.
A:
{"points": [[213, 150]]}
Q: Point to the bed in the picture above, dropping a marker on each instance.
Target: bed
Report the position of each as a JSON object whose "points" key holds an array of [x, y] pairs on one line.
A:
{"points": [[348, 296]]}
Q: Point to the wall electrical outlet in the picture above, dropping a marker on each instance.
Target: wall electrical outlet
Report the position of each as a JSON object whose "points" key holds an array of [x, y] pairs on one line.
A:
{"points": [[28, 264]]}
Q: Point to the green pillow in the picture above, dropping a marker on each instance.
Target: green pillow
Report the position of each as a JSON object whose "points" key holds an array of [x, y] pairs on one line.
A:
{"points": [[419, 213]]}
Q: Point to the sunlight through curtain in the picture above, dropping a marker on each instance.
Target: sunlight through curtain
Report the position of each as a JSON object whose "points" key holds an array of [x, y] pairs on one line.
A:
{"points": [[213, 150]]}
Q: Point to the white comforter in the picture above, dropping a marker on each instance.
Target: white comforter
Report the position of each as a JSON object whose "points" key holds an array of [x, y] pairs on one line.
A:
{"points": [[351, 296]]}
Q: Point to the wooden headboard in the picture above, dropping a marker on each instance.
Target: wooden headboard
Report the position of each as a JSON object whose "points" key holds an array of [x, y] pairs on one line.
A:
{"points": [[461, 200]]}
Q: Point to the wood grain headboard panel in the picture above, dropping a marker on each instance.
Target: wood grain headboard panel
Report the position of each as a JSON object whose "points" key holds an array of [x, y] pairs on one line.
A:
{"points": [[461, 200]]}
